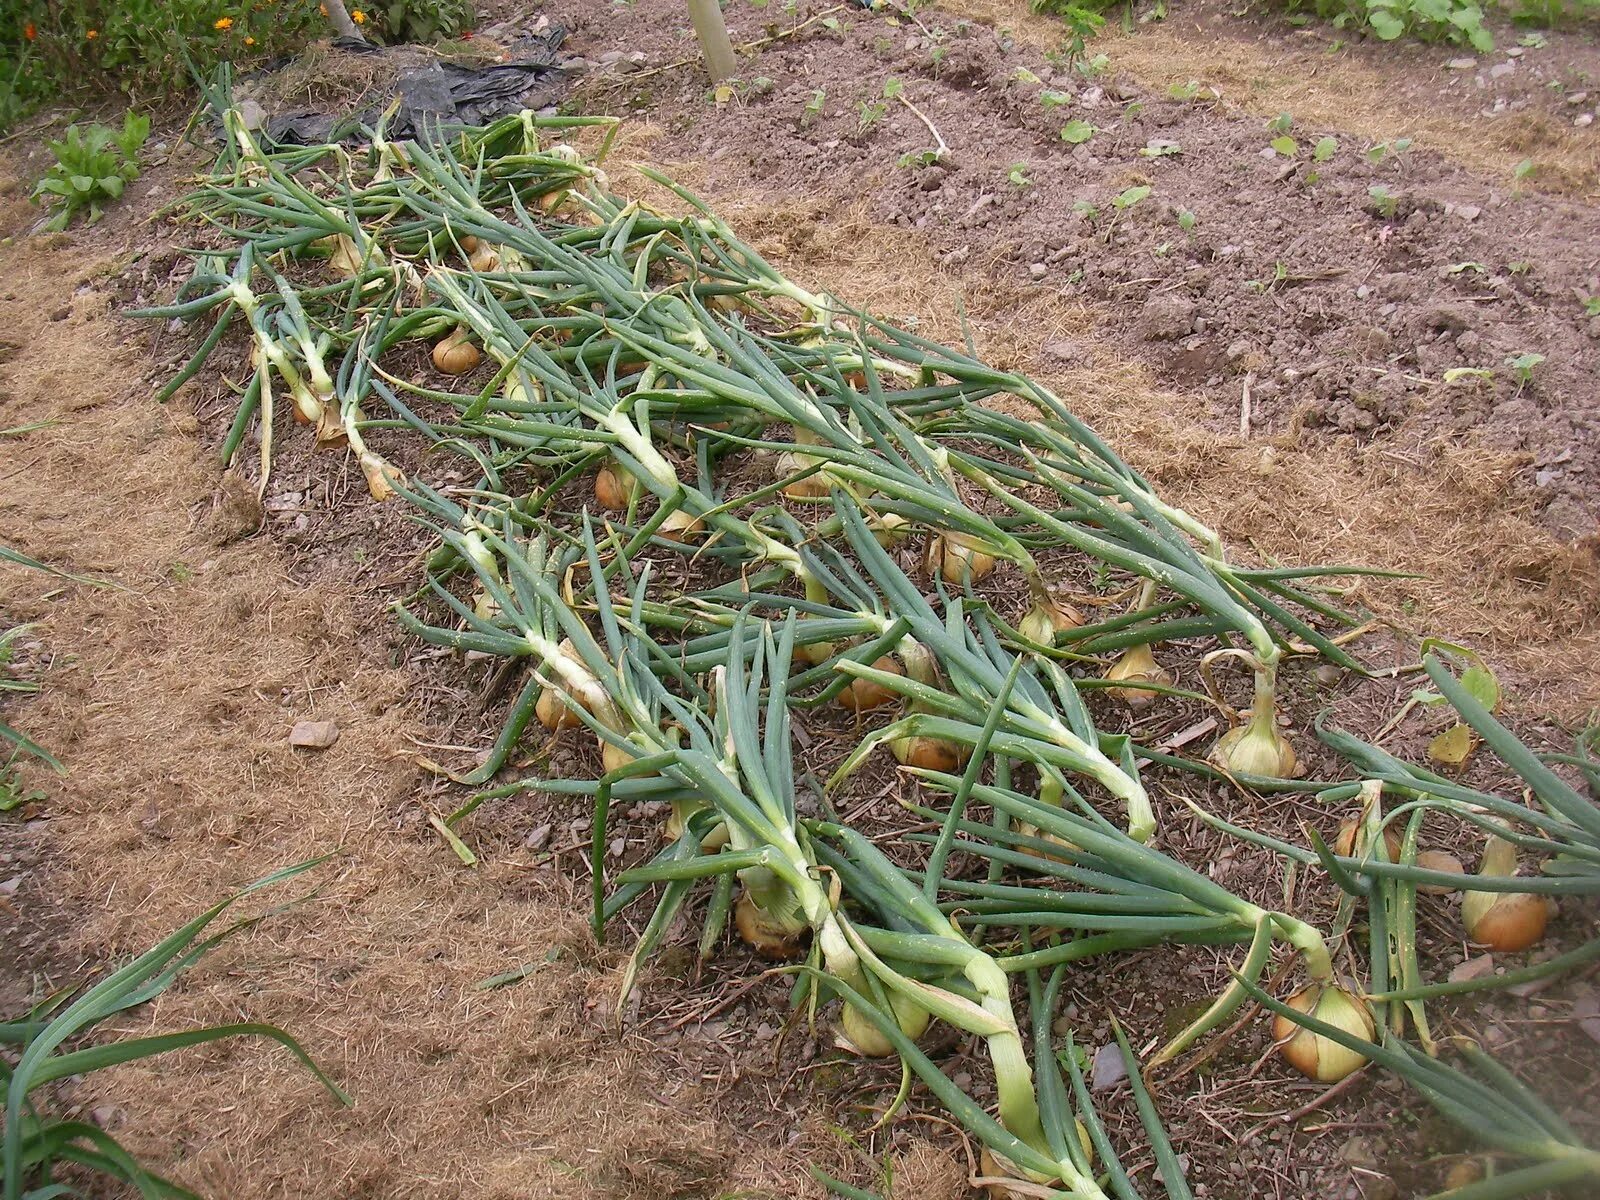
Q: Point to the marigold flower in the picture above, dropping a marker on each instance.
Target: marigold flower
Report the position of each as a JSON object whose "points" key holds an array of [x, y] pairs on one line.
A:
{"points": [[222, 23], [249, 41], [359, 17], [92, 34], [29, 32]]}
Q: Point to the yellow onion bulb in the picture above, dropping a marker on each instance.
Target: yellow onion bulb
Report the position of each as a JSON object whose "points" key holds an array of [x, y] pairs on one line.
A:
{"points": [[777, 938], [957, 557], [680, 526], [863, 695], [888, 529], [378, 474], [930, 753], [1044, 620], [481, 256], [1313, 1055], [1344, 845], [456, 355], [1443, 861], [999, 1168], [1255, 748], [554, 713], [614, 488], [1503, 921], [812, 487], [867, 1040], [1136, 665]]}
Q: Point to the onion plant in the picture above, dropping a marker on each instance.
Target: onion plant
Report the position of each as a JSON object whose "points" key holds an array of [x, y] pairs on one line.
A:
{"points": [[38, 1143]]}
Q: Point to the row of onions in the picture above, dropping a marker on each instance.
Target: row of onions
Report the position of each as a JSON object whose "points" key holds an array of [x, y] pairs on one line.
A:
{"points": [[710, 503]]}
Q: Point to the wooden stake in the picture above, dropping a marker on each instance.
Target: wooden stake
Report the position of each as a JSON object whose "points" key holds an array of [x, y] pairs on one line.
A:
{"points": [[714, 43]]}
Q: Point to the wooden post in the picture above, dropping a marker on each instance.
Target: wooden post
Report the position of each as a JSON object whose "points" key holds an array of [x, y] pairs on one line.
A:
{"points": [[714, 44]]}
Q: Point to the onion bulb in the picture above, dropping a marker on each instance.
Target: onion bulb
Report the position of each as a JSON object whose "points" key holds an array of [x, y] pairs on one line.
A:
{"points": [[1256, 747], [865, 694], [455, 355], [1439, 860], [957, 557], [888, 529], [774, 936], [378, 473], [614, 488], [997, 1167], [866, 1039], [1047, 618], [481, 256], [1504, 921], [553, 712], [1344, 845], [1313, 1055], [812, 487], [680, 526], [930, 753], [1136, 665]]}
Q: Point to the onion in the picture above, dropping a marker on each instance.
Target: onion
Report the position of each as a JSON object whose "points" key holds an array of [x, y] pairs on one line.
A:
{"points": [[865, 694], [864, 1038], [1255, 748], [930, 753], [997, 1167], [378, 473], [774, 937], [1046, 619], [812, 487], [1504, 921], [1439, 860], [888, 529], [553, 712], [614, 488], [481, 256], [1136, 665], [680, 526], [1344, 845], [959, 556], [455, 355], [1312, 1054]]}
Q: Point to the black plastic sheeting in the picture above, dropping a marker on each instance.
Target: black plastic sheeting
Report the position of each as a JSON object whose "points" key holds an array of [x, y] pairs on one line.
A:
{"points": [[441, 93]]}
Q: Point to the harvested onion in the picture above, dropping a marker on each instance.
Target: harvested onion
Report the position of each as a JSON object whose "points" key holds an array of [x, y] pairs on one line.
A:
{"points": [[1047, 618], [455, 355], [1255, 748], [777, 937], [680, 526], [1504, 921], [930, 753], [957, 557], [614, 488], [1313, 1055], [865, 694], [1344, 845], [1439, 860], [1136, 665], [863, 1037]]}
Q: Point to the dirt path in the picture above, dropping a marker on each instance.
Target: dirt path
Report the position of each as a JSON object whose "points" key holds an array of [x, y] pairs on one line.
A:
{"points": [[170, 699]]}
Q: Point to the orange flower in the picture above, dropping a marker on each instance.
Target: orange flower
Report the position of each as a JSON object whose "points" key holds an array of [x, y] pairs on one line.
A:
{"points": [[29, 32], [249, 41], [222, 23], [92, 34], [359, 17]]}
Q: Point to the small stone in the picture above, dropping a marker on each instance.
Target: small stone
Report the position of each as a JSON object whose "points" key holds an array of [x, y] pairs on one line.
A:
{"points": [[539, 838], [1328, 674], [1166, 318], [10, 886], [1577, 98], [1474, 968], [1461, 64], [1358, 1152], [1468, 212], [313, 735], [1501, 70], [251, 115], [1038, 270], [1109, 1069], [1583, 120]]}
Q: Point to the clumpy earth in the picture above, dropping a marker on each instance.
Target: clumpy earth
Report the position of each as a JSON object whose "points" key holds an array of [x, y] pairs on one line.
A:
{"points": [[1304, 344]]}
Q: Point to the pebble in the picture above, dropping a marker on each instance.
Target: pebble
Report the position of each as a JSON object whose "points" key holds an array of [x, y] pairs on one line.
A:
{"points": [[313, 735], [539, 838], [1583, 119], [1110, 1068], [1461, 64], [1038, 270], [1473, 968]]}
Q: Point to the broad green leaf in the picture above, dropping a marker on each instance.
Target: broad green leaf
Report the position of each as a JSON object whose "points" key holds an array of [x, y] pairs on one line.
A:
{"points": [[1076, 132], [1452, 747]]}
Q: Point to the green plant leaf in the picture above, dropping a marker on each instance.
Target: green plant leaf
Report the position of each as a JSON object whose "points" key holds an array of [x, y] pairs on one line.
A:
{"points": [[1076, 132]]}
